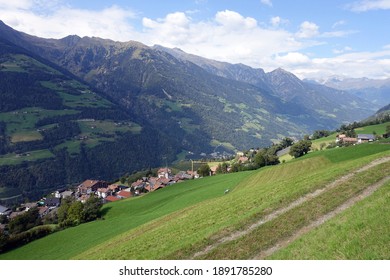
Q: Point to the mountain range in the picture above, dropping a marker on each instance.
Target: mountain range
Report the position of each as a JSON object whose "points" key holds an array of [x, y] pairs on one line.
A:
{"points": [[182, 104], [376, 91]]}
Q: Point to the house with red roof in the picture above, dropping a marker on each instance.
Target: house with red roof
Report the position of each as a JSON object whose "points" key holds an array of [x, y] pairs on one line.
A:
{"points": [[91, 186], [111, 198], [124, 194]]}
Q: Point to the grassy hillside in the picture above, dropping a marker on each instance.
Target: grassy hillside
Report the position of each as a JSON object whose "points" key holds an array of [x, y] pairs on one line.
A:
{"points": [[124, 215], [24, 124], [56, 130], [361, 232], [184, 219]]}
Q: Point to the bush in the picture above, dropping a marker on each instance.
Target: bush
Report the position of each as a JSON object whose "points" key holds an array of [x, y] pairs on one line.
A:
{"points": [[17, 240], [24, 221], [204, 170], [332, 145]]}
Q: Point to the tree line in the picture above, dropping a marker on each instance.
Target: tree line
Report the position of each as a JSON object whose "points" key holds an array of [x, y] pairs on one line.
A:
{"points": [[30, 225]]}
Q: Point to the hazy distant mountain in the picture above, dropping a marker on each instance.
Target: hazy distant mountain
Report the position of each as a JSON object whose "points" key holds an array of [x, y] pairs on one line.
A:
{"points": [[376, 91], [322, 101], [325, 101], [382, 113], [238, 72]]}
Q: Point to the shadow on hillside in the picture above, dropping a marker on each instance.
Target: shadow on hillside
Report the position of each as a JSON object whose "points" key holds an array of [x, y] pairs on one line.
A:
{"points": [[104, 211]]}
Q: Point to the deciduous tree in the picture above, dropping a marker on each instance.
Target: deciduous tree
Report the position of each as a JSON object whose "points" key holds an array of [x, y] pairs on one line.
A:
{"points": [[300, 148]]}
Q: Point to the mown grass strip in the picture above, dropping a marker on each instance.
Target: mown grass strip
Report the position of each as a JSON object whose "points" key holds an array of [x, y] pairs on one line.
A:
{"points": [[285, 225], [298, 202], [360, 233]]}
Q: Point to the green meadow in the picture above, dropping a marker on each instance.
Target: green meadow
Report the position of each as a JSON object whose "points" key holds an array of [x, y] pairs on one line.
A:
{"points": [[183, 219], [361, 232], [125, 215]]}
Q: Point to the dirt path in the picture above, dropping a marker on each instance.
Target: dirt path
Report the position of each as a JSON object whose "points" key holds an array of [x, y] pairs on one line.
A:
{"points": [[303, 199], [367, 192]]}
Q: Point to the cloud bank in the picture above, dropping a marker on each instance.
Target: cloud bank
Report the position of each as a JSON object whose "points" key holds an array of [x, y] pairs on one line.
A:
{"points": [[227, 36]]}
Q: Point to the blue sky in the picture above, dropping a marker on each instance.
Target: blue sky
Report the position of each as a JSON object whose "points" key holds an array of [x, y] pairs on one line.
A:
{"points": [[313, 39]]}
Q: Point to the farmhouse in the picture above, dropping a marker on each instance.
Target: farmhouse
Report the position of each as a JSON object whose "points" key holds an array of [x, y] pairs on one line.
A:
{"points": [[52, 202], [103, 192], [114, 188], [164, 173], [124, 194], [63, 194], [343, 139], [182, 175], [91, 186], [364, 138], [340, 137], [349, 140]]}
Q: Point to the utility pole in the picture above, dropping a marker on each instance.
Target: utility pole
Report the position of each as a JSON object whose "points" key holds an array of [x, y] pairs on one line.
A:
{"points": [[192, 165]]}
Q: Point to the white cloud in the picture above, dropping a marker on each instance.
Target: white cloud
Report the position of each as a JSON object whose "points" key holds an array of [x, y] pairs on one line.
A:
{"points": [[278, 21], [367, 5], [339, 23], [234, 20], [292, 59], [343, 50], [266, 2], [228, 36], [20, 4], [308, 30], [353, 64], [275, 21], [57, 21], [339, 33]]}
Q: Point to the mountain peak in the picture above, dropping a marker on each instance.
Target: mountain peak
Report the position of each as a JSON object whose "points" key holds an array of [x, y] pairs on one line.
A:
{"points": [[71, 40], [280, 73]]}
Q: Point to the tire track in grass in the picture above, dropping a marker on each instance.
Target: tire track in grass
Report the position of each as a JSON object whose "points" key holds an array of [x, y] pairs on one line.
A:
{"points": [[235, 235], [349, 203]]}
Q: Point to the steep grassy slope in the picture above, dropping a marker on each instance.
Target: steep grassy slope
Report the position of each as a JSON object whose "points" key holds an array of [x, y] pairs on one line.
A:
{"points": [[258, 195], [361, 232], [124, 215], [182, 220]]}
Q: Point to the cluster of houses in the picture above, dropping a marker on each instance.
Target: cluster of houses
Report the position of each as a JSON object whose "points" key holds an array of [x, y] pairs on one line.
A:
{"points": [[45, 206], [114, 192], [107, 192], [361, 138]]}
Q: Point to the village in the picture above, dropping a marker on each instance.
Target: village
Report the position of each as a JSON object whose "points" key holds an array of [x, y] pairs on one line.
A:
{"points": [[105, 191]]}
